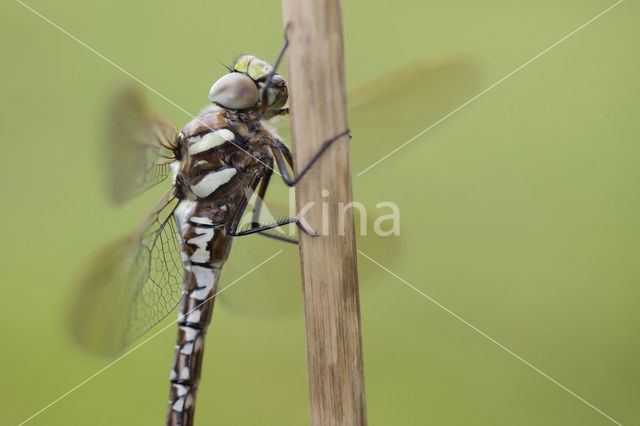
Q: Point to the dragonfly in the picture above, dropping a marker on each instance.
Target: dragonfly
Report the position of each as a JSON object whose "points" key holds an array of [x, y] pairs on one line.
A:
{"points": [[218, 162]]}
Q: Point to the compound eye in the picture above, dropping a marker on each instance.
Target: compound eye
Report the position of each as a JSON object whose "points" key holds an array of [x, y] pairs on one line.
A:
{"points": [[234, 91], [276, 93]]}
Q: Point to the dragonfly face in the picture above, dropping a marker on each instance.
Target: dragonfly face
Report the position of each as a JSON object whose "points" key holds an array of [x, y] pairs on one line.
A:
{"points": [[246, 88]]}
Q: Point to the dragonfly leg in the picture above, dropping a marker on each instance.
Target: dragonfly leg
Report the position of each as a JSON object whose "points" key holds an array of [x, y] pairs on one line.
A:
{"points": [[262, 183], [282, 154], [262, 190], [258, 229], [279, 237], [267, 82]]}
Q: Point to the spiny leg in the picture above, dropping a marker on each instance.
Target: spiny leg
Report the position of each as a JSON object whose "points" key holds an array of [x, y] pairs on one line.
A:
{"points": [[282, 154], [279, 237], [267, 82], [234, 231], [262, 190], [255, 226]]}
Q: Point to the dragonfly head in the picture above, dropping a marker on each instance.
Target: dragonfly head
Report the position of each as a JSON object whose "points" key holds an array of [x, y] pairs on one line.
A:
{"points": [[245, 87]]}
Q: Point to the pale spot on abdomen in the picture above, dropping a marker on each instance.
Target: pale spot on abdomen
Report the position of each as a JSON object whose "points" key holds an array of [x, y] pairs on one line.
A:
{"points": [[205, 280], [202, 254]]}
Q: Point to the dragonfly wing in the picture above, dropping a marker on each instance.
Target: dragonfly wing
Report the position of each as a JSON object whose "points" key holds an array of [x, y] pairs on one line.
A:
{"points": [[132, 284], [391, 109], [138, 146]]}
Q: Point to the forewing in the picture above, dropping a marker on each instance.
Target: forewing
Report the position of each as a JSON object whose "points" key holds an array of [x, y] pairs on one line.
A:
{"points": [[131, 285], [389, 110], [138, 146]]}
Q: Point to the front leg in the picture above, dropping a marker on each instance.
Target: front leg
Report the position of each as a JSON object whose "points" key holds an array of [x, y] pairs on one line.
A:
{"points": [[282, 155]]}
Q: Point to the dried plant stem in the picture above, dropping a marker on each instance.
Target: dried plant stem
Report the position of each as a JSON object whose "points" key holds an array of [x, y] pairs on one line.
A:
{"points": [[329, 274]]}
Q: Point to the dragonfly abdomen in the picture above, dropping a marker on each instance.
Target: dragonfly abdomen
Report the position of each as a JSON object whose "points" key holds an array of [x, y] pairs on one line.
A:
{"points": [[206, 247]]}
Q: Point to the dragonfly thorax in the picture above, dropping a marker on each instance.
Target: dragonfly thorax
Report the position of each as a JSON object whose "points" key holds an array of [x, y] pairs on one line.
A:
{"points": [[220, 153]]}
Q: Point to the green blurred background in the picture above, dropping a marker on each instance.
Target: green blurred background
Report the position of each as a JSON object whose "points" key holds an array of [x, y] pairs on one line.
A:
{"points": [[519, 213]]}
